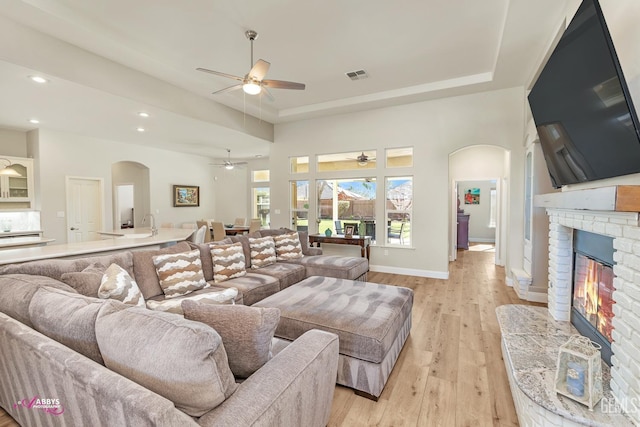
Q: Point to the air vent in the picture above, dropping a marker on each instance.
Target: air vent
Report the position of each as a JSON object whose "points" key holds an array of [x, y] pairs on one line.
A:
{"points": [[357, 75]]}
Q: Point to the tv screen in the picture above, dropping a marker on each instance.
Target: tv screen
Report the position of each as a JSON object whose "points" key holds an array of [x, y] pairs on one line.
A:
{"points": [[581, 105]]}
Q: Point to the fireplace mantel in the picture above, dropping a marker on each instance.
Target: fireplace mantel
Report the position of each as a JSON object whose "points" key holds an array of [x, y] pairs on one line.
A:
{"points": [[617, 198]]}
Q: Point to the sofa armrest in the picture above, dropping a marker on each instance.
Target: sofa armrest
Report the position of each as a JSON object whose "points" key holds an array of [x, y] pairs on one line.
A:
{"points": [[295, 388], [32, 364]]}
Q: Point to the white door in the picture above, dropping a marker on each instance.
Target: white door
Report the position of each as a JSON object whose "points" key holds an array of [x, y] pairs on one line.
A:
{"points": [[84, 209]]}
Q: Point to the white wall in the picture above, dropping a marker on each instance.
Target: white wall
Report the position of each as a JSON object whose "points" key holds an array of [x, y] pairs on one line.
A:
{"points": [[479, 230], [434, 129], [13, 143], [63, 154]]}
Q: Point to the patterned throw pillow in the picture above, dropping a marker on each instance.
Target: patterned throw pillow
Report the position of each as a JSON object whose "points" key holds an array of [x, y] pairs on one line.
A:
{"points": [[228, 262], [117, 284], [180, 274], [226, 296], [263, 251], [288, 246]]}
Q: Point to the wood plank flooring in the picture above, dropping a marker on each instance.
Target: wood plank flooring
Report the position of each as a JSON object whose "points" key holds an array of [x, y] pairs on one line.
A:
{"points": [[450, 372]]}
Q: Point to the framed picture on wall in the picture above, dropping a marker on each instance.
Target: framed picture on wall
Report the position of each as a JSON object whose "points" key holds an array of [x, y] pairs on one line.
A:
{"points": [[186, 195], [472, 196]]}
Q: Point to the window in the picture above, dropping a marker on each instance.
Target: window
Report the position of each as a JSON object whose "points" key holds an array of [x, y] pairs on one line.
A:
{"points": [[299, 164], [300, 205], [344, 202], [400, 157], [260, 197], [398, 207], [347, 161]]}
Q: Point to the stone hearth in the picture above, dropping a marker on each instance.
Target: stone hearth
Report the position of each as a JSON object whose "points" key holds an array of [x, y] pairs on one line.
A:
{"points": [[614, 212]]}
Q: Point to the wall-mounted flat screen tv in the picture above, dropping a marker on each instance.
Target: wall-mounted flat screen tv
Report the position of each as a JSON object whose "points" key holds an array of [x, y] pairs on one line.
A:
{"points": [[581, 105]]}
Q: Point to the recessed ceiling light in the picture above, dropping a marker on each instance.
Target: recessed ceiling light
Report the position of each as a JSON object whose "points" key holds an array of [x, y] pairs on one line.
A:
{"points": [[143, 114], [140, 129], [38, 79], [34, 121]]}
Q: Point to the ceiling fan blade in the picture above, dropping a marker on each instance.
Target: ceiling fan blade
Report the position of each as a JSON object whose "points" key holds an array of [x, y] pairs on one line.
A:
{"points": [[218, 73], [268, 94], [227, 89], [281, 84], [259, 69]]}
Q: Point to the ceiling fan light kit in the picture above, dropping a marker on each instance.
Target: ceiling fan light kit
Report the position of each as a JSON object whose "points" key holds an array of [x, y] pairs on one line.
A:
{"points": [[254, 83]]}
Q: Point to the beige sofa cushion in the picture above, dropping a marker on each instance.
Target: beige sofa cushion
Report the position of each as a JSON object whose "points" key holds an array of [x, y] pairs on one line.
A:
{"points": [[68, 318], [145, 272], [287, 247], [181, 360], [263, 251], [246, 332], [179, 274], [16, 291], [85, 282], [228, 262], [206, 296], [117, 284]]}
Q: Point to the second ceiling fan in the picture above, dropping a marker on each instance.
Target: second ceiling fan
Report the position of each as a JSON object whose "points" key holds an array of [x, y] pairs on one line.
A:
{"points": [[254, 82]]}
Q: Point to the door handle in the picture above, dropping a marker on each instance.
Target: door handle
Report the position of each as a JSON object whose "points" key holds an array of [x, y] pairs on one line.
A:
{"points": [[74, 229]]}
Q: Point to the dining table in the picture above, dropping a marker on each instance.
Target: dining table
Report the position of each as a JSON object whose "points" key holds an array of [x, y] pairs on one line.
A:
{"points": [[236, 229]]}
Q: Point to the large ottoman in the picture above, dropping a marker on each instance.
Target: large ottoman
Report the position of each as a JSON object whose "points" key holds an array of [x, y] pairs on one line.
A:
{"points": [[372, 321]]}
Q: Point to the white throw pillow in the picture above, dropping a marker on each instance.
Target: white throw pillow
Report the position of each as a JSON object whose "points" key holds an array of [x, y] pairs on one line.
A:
{"points": [[119, 285]]}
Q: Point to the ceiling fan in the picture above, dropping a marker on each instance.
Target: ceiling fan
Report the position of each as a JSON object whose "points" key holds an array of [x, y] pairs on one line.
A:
{"points": [[254, 82], [363, 159], [228, 164]]}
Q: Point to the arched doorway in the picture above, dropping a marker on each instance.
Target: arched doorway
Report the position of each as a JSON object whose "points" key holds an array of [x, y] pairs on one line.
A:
{"points": [[478, 164], [131, 194]]}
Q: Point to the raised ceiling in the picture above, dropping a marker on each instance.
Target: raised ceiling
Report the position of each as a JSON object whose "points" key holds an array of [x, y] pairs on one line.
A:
{"points": [[108, 59]]}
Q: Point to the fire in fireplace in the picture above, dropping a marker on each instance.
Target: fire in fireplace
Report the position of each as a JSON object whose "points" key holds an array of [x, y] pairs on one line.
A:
{"points": [[592, 311]]}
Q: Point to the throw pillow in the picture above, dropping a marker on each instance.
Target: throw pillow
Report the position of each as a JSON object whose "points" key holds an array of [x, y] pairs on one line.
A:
{"points": [[263, 251], [288, 247], [67, 318], [85, 282], [179, 274], [145, 272], [117, 284], [180, 360], [228, 262], [173, 305], [205, 255], [246, 332]]}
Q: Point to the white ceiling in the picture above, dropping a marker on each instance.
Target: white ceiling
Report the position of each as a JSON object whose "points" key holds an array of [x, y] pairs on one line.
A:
{"points": [[108, 59]]}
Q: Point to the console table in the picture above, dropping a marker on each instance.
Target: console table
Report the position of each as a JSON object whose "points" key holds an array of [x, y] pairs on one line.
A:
{"points": [[363, 241]]}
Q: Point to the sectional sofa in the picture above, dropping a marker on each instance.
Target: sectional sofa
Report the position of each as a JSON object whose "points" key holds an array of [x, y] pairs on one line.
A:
{"points": [[69, 358]]}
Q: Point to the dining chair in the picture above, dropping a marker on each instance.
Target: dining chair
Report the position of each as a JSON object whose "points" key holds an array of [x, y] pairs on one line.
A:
{"points": [[189, 225], [254, 225], [395, 232], [167, 225], [240, 222], [338, 225], [218, 231], [205, 224], [198, 235]]}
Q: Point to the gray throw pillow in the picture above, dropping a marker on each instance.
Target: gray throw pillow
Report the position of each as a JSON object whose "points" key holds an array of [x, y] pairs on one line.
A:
{"points": [[181, 360], [246, 332], [85, 282]]}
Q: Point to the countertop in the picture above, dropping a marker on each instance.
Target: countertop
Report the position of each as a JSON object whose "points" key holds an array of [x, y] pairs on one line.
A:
{"points": [[115, 243], [531, 339], [4, 234], [10, 242]]}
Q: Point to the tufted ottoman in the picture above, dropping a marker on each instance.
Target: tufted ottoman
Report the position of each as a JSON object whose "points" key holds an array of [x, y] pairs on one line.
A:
{"points": [[372, 321]]}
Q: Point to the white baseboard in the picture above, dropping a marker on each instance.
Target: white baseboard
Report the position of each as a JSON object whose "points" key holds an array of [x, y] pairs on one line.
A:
{"points": [[509, 282], [410, 272], [537, 297], [481, 240]]}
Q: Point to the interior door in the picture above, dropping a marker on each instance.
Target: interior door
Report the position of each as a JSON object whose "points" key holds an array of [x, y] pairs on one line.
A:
{"points": [[453, 233], [84, 209]]}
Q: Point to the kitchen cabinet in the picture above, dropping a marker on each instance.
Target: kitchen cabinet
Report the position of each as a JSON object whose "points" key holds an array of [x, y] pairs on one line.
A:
{"points": [[17, 191]]}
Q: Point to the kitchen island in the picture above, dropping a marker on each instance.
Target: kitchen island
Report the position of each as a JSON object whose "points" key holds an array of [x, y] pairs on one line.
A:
{"points": [[115, 241]]}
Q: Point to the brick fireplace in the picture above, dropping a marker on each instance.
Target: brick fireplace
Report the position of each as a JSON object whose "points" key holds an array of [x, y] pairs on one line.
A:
{"points": [[614, 212]]}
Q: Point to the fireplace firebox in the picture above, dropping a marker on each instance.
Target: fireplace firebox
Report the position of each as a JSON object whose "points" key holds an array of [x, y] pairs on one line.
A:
{"points": [[592, 307]]}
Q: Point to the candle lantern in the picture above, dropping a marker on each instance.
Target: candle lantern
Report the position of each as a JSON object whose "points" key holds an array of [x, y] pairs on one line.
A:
{"points": [[579, 371]]}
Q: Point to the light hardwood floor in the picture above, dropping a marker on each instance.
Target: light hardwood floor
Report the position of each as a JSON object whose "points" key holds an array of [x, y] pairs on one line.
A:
{"points": [[450, 372]]}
